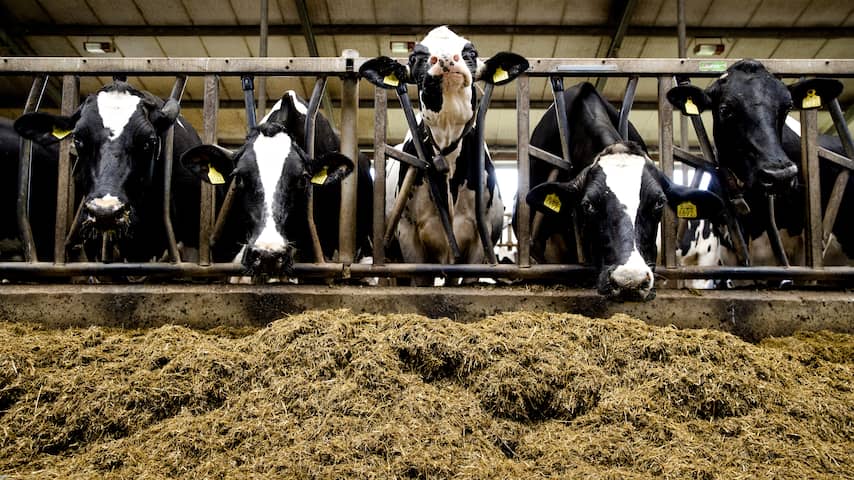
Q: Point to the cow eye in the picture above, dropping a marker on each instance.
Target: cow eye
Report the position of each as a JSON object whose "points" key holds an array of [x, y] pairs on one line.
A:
{"points": [[588, 208], [659, 203], [78, 143], [725, 111]]}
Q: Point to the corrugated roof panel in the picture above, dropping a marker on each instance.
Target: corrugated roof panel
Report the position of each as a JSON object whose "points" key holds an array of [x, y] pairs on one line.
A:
{"points": [[365, 45], [207, 12], [52, 46], [27, 12], [318, 12], [632, 47], [163, 12], [183, 47], [752, 48], [825, 13], [729, 13], [800, 48], [778, 13], [227, 46], [453, 13], [836, 48], [277, 46], [486, 13], [249, 13], [661, 47], [646, 12], [583, 12], [352, 11], [138, 46], [116, 12], [401, 11], [695, 11], [69, 11], [546, 12]]}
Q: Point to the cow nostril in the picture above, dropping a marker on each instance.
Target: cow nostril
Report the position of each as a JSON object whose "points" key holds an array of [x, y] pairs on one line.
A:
{"points": [[456, 58], [433, 60]]}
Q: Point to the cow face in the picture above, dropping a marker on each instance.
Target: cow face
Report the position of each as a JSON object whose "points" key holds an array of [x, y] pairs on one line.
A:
{"points": [[619, 200], [117, 136], [749, 107], [272, 175]]}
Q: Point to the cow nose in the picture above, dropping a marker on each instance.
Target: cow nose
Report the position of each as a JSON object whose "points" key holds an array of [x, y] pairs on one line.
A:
{"points": [[261, 260], [632, 278], [773, 177], [106, 209]]}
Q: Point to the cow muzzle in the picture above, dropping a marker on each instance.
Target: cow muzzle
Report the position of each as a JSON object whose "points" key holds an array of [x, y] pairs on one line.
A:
{"points": [[627, 283], [778, 179], [106, 213], [264, 261], [451, 68]]}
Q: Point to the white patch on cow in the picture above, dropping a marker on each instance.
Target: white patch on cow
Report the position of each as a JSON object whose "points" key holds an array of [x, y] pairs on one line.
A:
{"points": [[115, 109], [301, 107], [108, 202], [623, 175], [276, 107], [793, 125], [270, 155]]}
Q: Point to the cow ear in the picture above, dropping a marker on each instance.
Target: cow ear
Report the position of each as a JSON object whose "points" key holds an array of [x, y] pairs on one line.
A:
{"points": [[692, 203], [553, 198], [384, 72], [502, 68], [164, 117], [210, 163], [689, 99], [330, 168], [45, 128], [814, 92]]}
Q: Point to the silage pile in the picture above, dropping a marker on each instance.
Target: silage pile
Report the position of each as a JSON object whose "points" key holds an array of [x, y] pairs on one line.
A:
{"points": [[336, 395]]}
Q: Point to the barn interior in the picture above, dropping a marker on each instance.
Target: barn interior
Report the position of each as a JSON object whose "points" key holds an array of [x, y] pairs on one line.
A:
{"points": [[728, 29]]}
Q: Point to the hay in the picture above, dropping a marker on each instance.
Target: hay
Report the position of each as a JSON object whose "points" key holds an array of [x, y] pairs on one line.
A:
{"points": [[331, 394]]}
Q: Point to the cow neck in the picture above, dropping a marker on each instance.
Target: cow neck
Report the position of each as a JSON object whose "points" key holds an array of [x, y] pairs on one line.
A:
{"points": [[427, 138]]}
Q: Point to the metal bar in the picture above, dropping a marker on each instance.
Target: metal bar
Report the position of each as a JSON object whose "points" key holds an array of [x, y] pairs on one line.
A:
{"points": [[70, 91], [836, 158], [564, 272], [665, 151], [307, 29], [207, 203], [380, 122], [248, 85], [774, 233], [219, 224], [692, 160], [168, 159], [411, 29], [838, 191], [523, 211], [617, 39], [626, 107], [25, 165], [314, 66], [310, 123], [480, 205], [263, 35], [350, 148], [549, 158], [809, 168], [399, 204], [404, 157]]}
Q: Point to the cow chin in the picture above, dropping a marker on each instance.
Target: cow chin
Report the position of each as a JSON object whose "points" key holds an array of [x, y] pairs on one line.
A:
{"points": [[260, 261], [117, 228]]}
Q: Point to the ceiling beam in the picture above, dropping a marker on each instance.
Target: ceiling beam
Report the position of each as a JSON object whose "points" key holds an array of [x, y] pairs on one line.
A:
{"points": [[45, 29], [627, 10]]}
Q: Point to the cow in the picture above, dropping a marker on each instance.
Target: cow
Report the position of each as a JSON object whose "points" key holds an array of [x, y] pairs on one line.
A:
{"points": [[444, 67], [614, 193], [267, 227], [42, 204], [118, 134], [759, 152]]}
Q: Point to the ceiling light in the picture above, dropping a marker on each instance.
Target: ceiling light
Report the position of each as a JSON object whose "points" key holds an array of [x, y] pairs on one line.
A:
{"points": [[98, 47], [708, 47], [401, 47]]}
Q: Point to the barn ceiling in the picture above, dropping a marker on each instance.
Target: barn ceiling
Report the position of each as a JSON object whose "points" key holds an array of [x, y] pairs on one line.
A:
{"points": [[548, 28]]}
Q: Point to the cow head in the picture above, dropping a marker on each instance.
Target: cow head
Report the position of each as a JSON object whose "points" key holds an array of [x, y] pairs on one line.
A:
{"points": [[444, 67], [618, 201], [272, 175], [117, 135], [749, 107]]}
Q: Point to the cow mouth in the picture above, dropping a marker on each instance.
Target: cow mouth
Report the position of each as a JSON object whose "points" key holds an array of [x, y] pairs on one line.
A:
{"points": [[92, 227], [610, 289], [777, 180]]}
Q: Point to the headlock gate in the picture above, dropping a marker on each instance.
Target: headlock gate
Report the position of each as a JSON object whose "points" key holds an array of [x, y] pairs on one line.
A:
{"points": [[346, 68]]}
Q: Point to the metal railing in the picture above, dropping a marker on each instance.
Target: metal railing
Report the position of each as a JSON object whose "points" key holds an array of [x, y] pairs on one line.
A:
{"points": [[345, 68]]}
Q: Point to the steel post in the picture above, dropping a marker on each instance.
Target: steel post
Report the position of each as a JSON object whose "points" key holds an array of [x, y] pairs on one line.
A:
{"points": [[207, 203], [523, 211], [380, 121], [64, 195], [350, 148], [809, 169], [665, 151], [25, 165]]}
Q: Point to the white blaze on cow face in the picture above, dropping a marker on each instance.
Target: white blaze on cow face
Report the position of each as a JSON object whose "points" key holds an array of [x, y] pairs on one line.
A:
{"points": [[446, 57], [623, 176], [115, 109], [270, 155]]}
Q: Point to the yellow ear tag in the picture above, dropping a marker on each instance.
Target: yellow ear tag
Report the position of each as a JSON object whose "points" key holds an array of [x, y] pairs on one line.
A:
{"points": [[500, 75], [59, 133], [391, 80], [686, 210], [552, 202], [320, 177], [690, 107], [214, 176], [812, 100]]}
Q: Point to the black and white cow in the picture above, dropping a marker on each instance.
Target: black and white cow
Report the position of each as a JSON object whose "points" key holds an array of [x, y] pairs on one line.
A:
{"points": [[758, 147], [42, 207], [445, 66], [268, 222], [614, 192], [118, 135]]}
